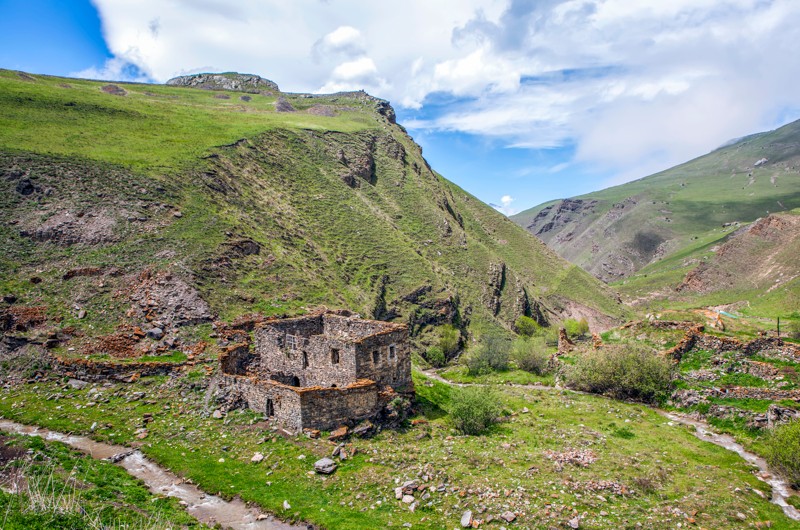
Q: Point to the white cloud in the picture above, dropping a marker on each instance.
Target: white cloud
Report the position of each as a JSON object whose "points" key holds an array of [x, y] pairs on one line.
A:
{"points": [[344, 40], [115, 69], [634, 85], [505, 205]]}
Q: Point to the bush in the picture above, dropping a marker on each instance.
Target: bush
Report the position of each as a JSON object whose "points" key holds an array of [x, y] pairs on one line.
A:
{"points": [[473, 409], [623, 372], [449, 340], [794, 329], [783, 451], [435, 356], [576, 328], [530, 354], [491, 354], [526, 326]]}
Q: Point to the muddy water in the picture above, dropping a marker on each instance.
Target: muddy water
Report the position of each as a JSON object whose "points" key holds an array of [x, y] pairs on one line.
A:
{"points": [[208, 509], [780, 489]]}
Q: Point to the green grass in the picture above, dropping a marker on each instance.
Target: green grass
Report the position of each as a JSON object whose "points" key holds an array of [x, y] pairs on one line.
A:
{"points": [[91, 492], [665, 466], [459, 374], [153, 128], [160, 149]]}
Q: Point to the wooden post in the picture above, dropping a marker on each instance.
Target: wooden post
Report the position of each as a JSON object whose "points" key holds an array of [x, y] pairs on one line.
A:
{"points": [[779, 327]]}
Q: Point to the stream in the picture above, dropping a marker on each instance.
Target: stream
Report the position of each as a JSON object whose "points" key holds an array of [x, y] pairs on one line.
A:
{"points": [[208, 509], [781, 490]]}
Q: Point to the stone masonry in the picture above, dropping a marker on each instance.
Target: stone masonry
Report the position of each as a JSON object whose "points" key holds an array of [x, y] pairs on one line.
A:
{"points": [[320, 371]]}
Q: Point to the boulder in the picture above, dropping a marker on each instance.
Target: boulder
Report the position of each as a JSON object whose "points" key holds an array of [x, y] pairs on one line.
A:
{"points": [[325, 466]]}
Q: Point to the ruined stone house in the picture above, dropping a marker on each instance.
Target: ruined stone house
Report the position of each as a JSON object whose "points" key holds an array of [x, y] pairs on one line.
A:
{"points": [[320, 371]]}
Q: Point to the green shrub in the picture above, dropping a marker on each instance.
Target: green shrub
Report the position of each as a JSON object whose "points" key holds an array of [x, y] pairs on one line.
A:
{"points": [[551, 336], [449, 340], [576, 328], [435, 356], [783, 451], [623, 372], [473, 409], [526, 326], [794, 329], [530, 354], [491, 354]]}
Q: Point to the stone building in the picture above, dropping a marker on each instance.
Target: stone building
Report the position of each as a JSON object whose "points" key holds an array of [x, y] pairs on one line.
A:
{"points": [[320, 371]]}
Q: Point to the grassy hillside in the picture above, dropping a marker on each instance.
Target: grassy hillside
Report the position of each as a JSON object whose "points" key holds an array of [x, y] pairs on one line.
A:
{"points": [[643, 220], [646, 226], [129, 204]]}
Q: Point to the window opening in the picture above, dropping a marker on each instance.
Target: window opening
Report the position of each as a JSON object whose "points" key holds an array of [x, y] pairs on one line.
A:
{"points": [[291, 342], [295, 381], [305, 359], [270, 408], [334, 356], [376, 356], [392, 351]]}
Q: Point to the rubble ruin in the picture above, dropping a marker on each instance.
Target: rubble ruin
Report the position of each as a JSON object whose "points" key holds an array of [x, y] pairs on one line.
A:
{"points": [[320, 371]]}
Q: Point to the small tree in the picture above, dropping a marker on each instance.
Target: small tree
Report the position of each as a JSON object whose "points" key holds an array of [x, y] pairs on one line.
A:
{"points": [[622, 371], [435, 356], [783, 451], [491, 354], [473, 409], [526, 326], [576, 328], [530, 354], [449, 340]]}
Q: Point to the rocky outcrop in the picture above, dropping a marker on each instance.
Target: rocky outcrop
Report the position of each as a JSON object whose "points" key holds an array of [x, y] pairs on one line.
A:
{"points": [[494, 287], [226, 81]]}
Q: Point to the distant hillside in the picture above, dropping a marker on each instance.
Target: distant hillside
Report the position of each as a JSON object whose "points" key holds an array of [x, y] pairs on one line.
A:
{"points": [[617, 232], [132, 204]]}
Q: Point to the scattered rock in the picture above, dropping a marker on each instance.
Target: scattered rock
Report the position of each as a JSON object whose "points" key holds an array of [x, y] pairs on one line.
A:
{"points": [[339, 434], [77, 384], [155, 333], [466, 519], [217, 414], [408, 499], [508, 516], [325, 466], [258, 457], [574, 523], [286, 505]]}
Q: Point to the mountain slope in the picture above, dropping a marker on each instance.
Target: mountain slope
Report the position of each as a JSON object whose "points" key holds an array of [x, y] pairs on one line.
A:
{"points": [[615, 233], [131, 204]]}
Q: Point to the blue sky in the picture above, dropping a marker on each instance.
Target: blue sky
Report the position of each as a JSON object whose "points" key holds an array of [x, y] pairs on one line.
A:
{"points": [[517, 101]]}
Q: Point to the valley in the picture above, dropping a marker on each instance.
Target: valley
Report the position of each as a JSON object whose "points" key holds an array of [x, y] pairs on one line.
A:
{"points": [[167, 249]]}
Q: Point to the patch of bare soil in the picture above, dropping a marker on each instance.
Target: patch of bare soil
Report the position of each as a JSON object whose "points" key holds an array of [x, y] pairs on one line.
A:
{"points": [[322, 110], [760, 256], [66, 228], [166, 299], [114, 90], [22, 318]]}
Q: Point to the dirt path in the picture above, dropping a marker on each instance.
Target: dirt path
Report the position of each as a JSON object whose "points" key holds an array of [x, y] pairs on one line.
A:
{"points": [[781, 490], [208, 509]]}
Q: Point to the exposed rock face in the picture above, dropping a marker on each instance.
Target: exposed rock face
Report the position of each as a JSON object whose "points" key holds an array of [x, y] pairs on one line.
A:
{"points": [[226, 81], [760, 255]]}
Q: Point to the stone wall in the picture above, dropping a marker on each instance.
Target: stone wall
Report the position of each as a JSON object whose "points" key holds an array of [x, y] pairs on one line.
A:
{"points": [[90, 370], [257, 394], [332, 350], [298, 408], [386, 359], [329, 408]]}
